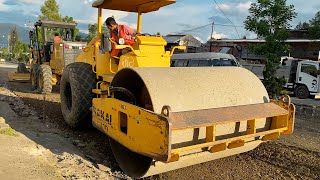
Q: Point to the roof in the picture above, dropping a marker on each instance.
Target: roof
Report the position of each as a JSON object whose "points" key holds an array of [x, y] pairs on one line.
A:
{"points": [[55, 24], [204, 55], [173, 38], [191, 41], [144, 6]]}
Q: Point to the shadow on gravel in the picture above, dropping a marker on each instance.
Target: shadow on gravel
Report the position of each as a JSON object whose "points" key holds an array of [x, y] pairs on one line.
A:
{"points": [[16, 86], [43, 123]]}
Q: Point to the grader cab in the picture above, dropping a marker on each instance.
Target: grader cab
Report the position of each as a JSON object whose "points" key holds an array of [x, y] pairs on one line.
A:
{"points": [[159, 118], [48, 58]]}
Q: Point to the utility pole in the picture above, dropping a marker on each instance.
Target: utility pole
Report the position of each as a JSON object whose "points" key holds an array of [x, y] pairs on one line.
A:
{"points": [[211, 36]]}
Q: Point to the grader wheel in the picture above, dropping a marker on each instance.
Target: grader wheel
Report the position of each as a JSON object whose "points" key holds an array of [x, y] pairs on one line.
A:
{"points": [[45, 79], [76, 95]]}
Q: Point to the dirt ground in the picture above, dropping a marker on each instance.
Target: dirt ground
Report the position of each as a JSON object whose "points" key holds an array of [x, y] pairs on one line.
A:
{"points": [[85, 154]]}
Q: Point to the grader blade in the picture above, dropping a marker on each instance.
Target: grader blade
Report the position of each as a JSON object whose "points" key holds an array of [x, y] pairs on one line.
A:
{"points": [[24, 77]]}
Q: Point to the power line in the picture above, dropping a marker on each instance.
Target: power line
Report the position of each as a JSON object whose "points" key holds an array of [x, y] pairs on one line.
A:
{"points": [[203, 26], [227, 18], [196, 28], [232, 25]]}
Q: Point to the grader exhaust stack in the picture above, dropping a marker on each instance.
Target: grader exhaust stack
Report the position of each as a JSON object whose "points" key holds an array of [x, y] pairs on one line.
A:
{"points": [[160, 118]]}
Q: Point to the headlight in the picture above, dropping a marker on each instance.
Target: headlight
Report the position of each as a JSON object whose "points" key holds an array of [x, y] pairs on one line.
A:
{"points": [[121, 41]]}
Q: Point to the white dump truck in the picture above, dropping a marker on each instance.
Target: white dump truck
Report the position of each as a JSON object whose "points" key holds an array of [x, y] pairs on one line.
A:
{"points": [[303, 76]]}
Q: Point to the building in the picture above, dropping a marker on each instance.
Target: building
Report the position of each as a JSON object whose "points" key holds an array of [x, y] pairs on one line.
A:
{"points": [[301, 46]]}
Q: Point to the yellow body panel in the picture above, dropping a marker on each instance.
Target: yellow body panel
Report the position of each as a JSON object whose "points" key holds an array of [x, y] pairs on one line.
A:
{"points": [[19, 76], [57, 60], [87, 56], [148, 51], [126, 123]]}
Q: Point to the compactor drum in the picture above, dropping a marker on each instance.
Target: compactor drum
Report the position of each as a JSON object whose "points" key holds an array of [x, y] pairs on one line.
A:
{"points": [[159, 118]]}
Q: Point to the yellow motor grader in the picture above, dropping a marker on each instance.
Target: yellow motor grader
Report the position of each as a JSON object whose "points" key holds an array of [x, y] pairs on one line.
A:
{"points": [[48, 58], [160, 118]]}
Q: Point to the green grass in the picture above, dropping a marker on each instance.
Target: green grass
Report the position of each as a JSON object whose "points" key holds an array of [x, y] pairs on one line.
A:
{"points": [[8, 131], [286, 92]]}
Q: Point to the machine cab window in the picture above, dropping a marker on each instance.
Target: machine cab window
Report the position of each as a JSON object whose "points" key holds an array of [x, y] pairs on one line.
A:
{"points": [[309, 69]]}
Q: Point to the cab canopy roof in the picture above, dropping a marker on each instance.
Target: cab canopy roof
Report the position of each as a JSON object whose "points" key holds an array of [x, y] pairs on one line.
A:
{"points": [[55, 24], [143, 6]]}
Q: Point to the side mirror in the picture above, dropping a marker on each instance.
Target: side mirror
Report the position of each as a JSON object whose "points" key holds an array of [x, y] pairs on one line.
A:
{"points": [[105, 43]]}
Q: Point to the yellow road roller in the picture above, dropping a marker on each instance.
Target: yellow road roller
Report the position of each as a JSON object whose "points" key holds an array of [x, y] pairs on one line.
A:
{"points": [[160, 118]]}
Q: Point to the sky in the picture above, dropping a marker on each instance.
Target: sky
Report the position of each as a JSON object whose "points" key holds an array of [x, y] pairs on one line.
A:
{"points": [[183, 17]]}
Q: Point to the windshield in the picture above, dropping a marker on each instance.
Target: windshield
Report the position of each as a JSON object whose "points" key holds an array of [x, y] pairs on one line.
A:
{"points": [[224, 62]]}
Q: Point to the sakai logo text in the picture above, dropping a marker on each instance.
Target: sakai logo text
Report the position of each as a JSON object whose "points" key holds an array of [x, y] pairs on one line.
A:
{"points": [[102, 115]]}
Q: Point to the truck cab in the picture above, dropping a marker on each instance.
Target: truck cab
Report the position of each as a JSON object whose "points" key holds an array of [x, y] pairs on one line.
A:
{"points": [[302, 76], [308, 75]]}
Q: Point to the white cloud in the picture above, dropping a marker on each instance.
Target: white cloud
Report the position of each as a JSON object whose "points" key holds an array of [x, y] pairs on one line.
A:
{"points": [[88, 1], [235, 8], [118, 15], [252, 36], [84, 31], [3, 7], [224, 7], [216, 35], [35, 2], [185, 11]]}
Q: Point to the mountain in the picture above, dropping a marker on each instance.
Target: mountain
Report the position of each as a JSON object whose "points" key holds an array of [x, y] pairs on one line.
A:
{"points": [[4, 32], [83, 35]]}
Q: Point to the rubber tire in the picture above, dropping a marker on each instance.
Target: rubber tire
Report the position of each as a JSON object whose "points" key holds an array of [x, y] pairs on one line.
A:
{"points": [[301, 92], [45, 73], [34, 76], [22, 68], [76, 94]]}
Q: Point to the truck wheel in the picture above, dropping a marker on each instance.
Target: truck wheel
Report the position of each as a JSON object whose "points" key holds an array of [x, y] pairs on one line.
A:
{"points": [[22, 68], [45, 79], [302, 92], [76, 94], [34, 76]]}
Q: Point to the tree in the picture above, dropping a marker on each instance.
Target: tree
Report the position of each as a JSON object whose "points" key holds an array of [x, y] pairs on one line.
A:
{"points": [[50, 11], [303, 25], [269, 19], [92, 28], [20, 51], [70, 20], [314, 30], [13, 38]]}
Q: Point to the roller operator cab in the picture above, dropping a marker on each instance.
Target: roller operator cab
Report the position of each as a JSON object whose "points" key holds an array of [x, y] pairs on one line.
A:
{"points": [[160, 118]]}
